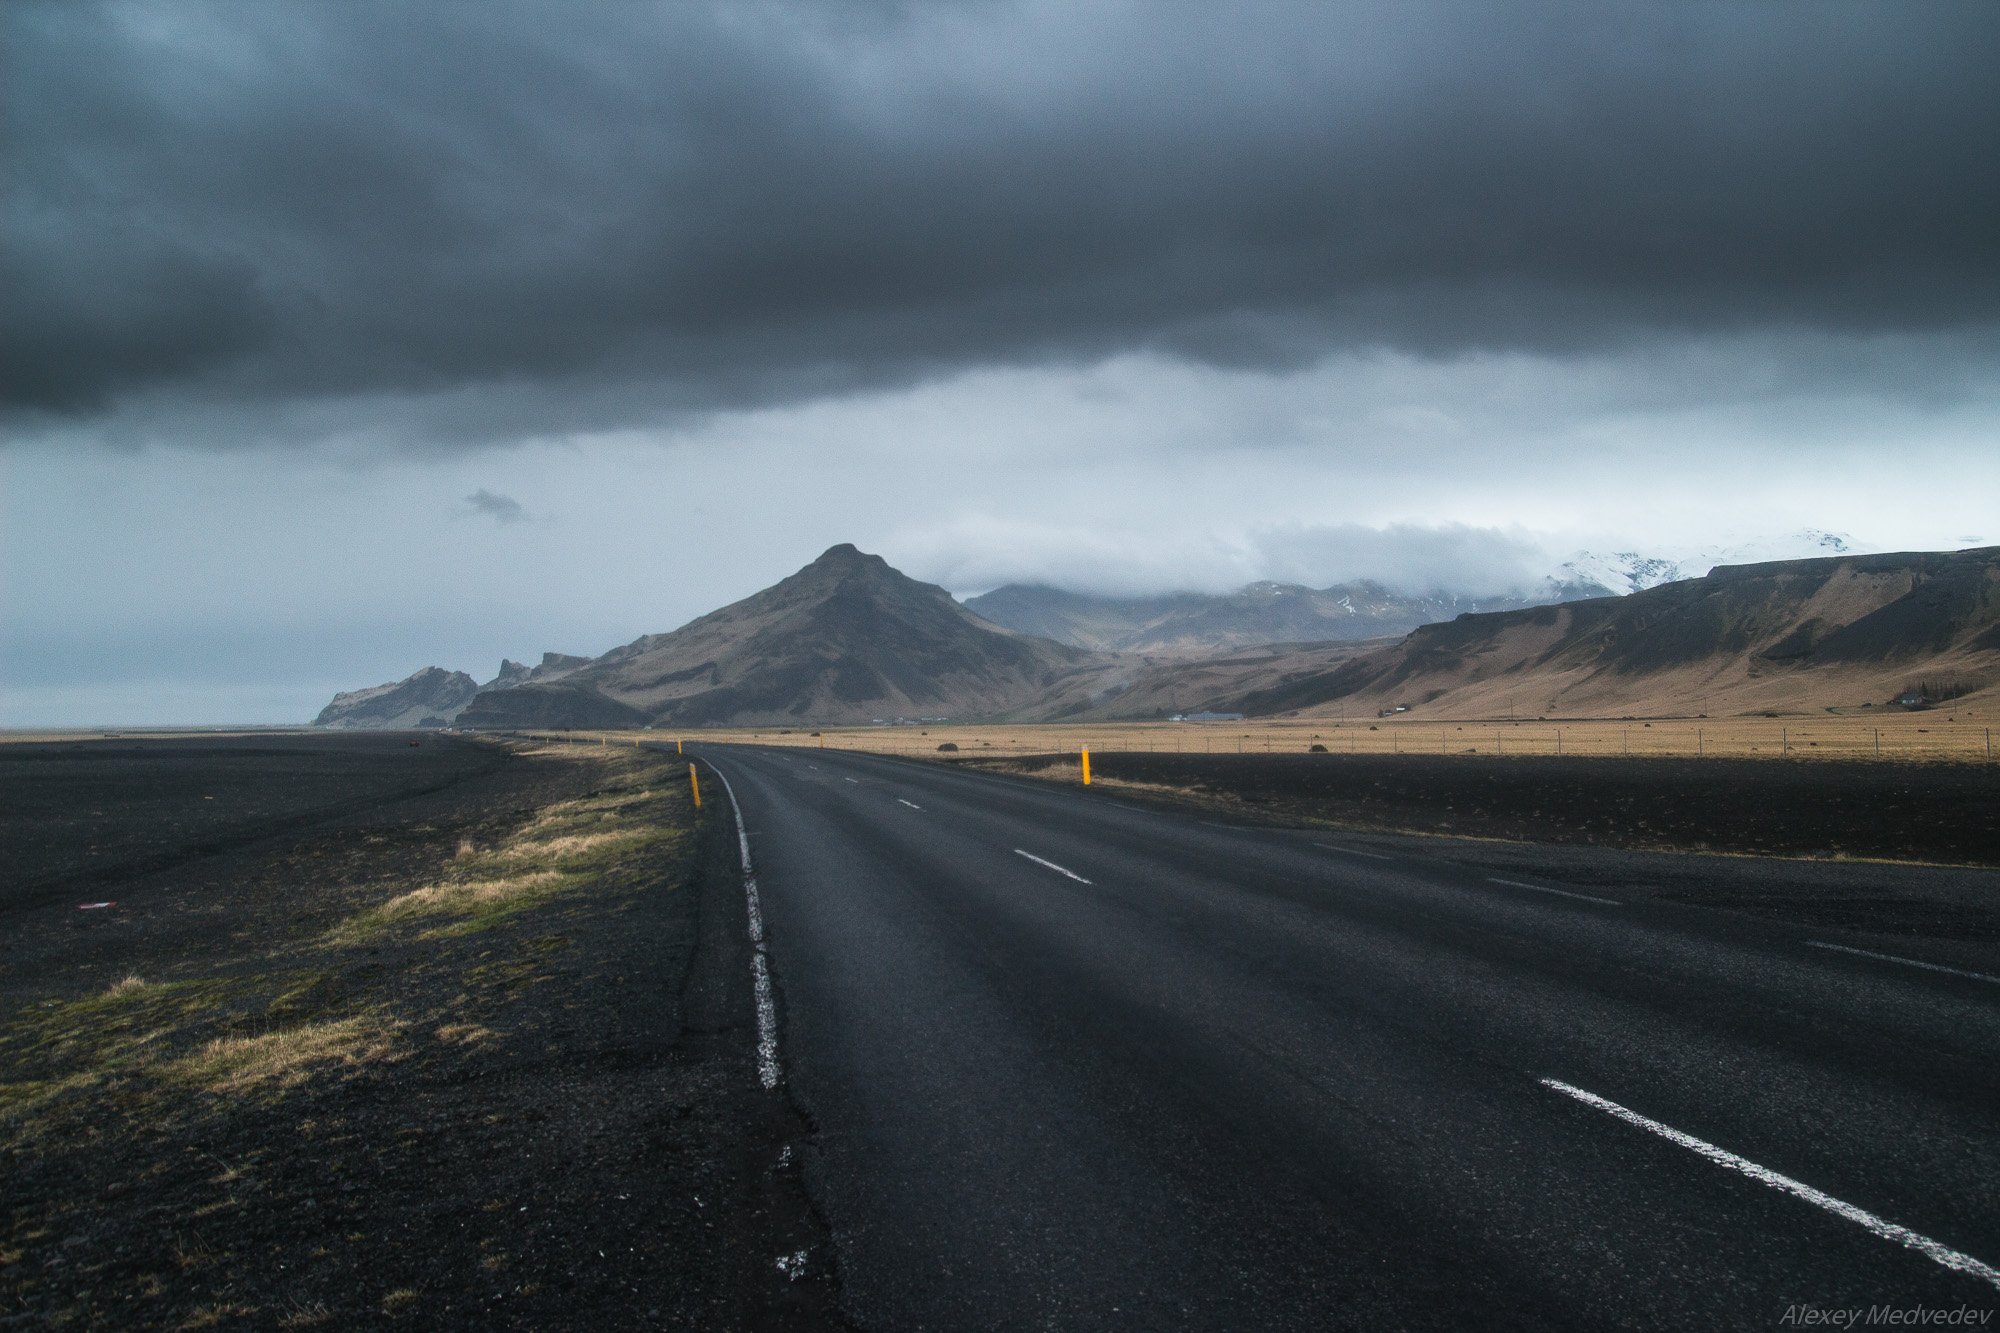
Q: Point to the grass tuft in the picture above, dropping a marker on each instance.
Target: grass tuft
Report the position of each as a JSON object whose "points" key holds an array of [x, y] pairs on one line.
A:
{"points": [[285, 1058]]}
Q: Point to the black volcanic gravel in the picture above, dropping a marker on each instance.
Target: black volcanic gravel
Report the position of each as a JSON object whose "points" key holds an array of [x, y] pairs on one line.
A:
{"points": [[1918, 812]]}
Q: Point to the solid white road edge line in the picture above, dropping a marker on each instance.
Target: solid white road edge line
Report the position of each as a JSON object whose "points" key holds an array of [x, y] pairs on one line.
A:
{"points": [[1354, 851], [912, 804], [760, 966], [1906, 962], [1887, 1230], [1051, 865], [1560, 893]]}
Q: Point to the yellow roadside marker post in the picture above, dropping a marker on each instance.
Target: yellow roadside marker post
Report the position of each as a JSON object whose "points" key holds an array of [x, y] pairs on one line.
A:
{"points": [[1086, 765], [694, 785], [677, 745]]}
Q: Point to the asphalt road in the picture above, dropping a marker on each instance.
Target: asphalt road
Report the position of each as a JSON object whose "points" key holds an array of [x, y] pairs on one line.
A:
{"points": [[1077, 1064]]}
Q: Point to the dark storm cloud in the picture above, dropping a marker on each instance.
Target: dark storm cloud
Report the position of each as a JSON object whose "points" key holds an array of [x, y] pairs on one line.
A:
{"points": [[499, 508], [531, 217]]}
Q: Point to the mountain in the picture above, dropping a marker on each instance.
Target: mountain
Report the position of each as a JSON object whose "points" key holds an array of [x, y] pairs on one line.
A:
{"points": [[1149, 689], [512, 673], [1591, 574], [433, 697], [846, 639], [1790, 634], [1190, 624], [554, 666], [430, 698]]}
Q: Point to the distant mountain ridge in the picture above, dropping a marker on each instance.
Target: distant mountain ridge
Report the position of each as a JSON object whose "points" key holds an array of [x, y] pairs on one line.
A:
{"points": [[553, 666], [849, 640], [845, 639], [432, 697], [1842, 630], [1190, 624], [1186, 624], [1625, 572]]}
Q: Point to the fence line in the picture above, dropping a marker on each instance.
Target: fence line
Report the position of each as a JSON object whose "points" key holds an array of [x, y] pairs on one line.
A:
{"points": [[1901, 738]]}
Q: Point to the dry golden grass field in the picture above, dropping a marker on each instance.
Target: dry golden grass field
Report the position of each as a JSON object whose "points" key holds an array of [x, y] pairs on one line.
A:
{"points": [[1939, 735]]}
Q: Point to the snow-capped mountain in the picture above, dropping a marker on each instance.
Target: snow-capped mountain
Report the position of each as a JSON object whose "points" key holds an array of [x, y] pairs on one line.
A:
{"points": [[1624, 572]]}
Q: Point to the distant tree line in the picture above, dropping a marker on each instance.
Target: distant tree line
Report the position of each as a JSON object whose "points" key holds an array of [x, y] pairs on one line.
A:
{"points": [[1936, 691]]}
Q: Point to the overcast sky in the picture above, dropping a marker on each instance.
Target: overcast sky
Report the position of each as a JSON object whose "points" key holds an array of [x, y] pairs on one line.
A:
{"points": [[341, 339]]}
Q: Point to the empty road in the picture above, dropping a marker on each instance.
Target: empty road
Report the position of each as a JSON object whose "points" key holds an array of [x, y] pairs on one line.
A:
{"points": [[1077, 1064]]}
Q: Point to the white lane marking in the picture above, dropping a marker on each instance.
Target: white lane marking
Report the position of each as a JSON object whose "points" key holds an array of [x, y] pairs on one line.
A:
{"points": [[855, 781], [1560, 893], [1906, 962], [1887, 1230], [760, 967], [1354, 851], [1051, 865], [912, 804]]}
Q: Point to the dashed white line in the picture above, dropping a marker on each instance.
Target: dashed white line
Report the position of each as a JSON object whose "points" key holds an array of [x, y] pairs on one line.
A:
{"points": [[855, 781], [1906, 962], [1560, 893], [1887, 1230], [912, 804], [1354, 851], [760, 966], [1051, 865]]}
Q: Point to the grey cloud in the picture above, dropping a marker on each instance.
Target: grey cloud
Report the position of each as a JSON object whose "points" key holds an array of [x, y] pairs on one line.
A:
{"points": [[1409, 558], [500, 508], [612, 214], [1453, 558]]}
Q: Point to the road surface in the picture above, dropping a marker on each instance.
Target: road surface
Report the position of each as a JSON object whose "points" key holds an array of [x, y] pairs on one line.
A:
{"points": [[1077, 1064]]}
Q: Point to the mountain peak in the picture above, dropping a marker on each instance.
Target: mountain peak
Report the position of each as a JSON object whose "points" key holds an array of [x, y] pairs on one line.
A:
{"points": [[839, 564], [846, 556]]}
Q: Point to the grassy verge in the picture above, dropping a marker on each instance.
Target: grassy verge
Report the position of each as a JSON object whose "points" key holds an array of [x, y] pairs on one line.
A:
{"points": [[266, 1020]]}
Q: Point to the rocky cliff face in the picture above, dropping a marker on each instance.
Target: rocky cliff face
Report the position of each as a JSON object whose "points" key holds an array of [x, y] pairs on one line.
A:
{"points": [[553, 666], [511, 673], [432, 697]]}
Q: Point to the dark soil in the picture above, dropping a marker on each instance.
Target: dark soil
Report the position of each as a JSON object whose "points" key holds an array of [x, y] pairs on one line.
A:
{"points": [[84, 813], [1915, 812], [564, 1130]]}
